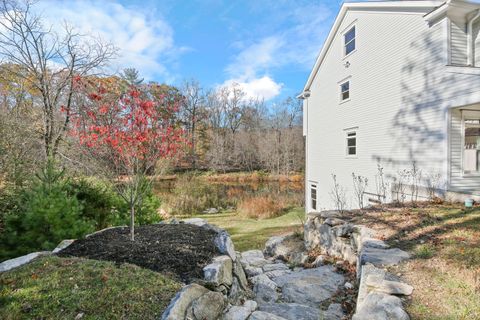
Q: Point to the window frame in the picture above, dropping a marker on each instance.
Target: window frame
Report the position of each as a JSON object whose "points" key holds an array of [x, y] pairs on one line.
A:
{"points": [[342, 83], [465, 116], [350, 134], [313, 187], [354, 40]]}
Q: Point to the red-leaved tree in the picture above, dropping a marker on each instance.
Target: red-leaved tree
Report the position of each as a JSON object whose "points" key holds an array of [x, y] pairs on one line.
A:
{"points": [[128, 133]]}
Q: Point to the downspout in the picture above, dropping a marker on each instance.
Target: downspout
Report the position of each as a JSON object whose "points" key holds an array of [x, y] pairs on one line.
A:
{"points": [[470, 44]]}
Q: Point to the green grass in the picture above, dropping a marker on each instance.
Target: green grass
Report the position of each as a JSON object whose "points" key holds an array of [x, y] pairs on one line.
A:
{"points": [[62, 288], [249, 233]]}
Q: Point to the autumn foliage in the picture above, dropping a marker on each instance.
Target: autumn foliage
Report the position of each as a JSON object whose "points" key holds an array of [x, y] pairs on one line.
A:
{"points": [[131, 130], [127, 129]]}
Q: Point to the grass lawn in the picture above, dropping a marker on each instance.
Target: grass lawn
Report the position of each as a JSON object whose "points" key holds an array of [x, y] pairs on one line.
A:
{"points": [[62, 288], [251, 233], [445, 243]]}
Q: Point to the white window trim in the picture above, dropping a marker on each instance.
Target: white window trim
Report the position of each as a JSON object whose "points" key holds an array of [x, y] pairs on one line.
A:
{"points": [[346, 132], [344, 45], [340, 84], [462, 154]]}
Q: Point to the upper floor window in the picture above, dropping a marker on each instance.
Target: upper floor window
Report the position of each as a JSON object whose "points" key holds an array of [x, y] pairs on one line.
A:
{"points": [[349, 42], [345, 91]]}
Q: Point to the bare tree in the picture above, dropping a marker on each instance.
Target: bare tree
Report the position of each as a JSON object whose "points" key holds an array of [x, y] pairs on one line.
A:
{"points": [[52, 61], [192, 113]]}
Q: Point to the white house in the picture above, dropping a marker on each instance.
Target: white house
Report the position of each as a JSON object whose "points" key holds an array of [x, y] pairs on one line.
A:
{"points": [[395, 83]]}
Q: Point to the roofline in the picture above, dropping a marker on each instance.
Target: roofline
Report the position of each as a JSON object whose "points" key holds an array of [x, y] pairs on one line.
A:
{"points": [[427, 5], [442, 10]]}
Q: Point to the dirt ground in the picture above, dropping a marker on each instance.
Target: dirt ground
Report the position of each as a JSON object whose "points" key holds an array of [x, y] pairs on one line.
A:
{"points": [[181, 250]]}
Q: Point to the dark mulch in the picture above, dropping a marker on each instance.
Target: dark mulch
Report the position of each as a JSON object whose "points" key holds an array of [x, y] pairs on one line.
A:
{"points": [[180, 249]]}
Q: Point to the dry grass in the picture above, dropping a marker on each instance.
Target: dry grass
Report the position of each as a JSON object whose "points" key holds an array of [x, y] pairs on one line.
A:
{"points": [[444, 240], [261, 207], [253, 177]]}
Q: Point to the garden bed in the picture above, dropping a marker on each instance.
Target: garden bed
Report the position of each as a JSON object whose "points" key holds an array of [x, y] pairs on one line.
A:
{"points": [[181, 250]]}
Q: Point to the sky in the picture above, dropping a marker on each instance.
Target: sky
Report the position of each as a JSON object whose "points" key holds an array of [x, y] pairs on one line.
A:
{"points": [[267, 46]]}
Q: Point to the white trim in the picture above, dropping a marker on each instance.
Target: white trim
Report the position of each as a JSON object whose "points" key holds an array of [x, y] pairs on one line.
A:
{"points": [[346, 138], [340, 84], [412, 6], [463, 69], [448, 165]]}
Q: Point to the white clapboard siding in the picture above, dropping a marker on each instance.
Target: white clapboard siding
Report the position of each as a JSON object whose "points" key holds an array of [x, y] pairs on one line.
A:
{"points": [[401, 95], [458, 36]]}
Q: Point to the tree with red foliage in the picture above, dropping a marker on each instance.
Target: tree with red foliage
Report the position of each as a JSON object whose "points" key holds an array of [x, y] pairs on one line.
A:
{"points": [[128, 135]]}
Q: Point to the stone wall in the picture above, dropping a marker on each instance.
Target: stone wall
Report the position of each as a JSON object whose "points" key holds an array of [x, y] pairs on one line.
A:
{"points": [[224, 284], [379, 291]]}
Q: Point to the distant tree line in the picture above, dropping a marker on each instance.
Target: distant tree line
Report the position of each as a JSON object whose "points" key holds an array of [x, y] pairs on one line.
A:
{"points": [[229, 131]]}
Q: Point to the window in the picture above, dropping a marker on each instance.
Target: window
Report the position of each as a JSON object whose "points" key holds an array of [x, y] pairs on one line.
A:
{"points": [[471, 149], [351, 143], [345, 91], [349, 38], [313, 196]]}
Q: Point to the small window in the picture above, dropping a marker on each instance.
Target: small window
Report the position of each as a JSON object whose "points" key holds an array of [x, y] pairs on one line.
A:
{"points": [[313, 196], [350, 41], [351, 143], [345, 91]]}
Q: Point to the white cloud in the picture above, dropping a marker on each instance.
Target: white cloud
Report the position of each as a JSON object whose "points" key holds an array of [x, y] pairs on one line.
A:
{"points": [[295, 45], [262, 88], [144, 40]]}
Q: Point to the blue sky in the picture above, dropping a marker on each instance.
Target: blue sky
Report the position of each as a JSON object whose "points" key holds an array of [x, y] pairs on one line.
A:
{"points": [[267, 46]]}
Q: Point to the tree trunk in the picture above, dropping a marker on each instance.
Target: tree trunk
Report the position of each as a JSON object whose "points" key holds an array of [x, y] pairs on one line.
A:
{"points": [[132, 222]]}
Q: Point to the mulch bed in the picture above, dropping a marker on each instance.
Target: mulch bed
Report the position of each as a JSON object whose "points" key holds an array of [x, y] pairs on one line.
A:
{"points": [[179, 249]]}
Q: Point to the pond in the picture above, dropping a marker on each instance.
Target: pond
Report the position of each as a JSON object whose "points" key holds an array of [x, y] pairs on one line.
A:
{"points": [[187, 195]]}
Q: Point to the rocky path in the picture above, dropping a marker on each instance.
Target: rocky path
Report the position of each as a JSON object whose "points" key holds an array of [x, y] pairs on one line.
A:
{"points": [[283, 293]]}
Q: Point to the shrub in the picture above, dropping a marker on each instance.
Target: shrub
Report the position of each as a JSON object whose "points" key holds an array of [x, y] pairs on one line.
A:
{"points": [[54, 208], [43, 215], [106, 208], [100, 203], [261, 207]]}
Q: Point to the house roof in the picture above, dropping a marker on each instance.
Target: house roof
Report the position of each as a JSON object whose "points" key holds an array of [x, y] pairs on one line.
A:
{"points": [[420, 7], [458, 8]]}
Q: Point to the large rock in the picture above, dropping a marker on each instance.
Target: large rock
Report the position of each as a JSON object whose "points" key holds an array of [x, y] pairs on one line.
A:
{"points": [[277, 273], [381, 306], [183, 300], [334, 312], [209, 306], [20, 261], [291, 311], [240, 312], [284, 247], [219, 271], [310, 286], [239, 273], [261, 315], [382, 257], [275, 266], [253, 258], [224, 244], [264, 293], [379, 284], [237, 294], [252, 271], [195, 221], [62, 245], [262, 278]]}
